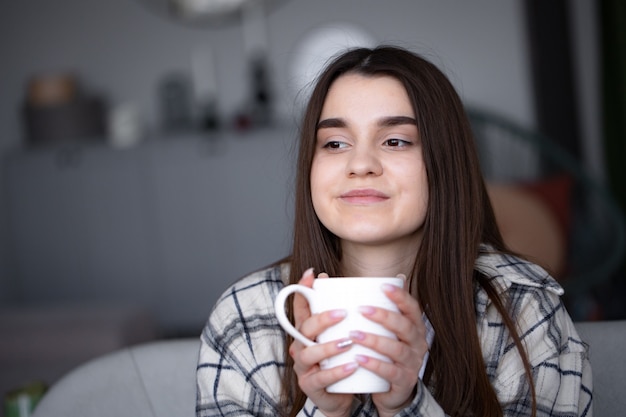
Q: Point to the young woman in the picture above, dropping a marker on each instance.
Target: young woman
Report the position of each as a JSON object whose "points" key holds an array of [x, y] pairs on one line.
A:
{"points": [[388, 183]]}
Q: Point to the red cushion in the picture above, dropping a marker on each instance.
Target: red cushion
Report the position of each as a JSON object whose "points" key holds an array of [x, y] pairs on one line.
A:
{"points": [[556, 193]]}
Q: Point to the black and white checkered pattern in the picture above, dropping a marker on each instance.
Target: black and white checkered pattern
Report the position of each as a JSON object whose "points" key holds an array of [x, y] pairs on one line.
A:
{"points": [[241, 357]]}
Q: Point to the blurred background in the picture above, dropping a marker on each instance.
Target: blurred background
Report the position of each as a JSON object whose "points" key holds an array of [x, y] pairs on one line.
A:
{"points": [[147, 149]]}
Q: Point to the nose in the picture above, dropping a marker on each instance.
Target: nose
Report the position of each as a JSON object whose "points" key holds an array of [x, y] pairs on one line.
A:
{"points": [[364, 161]]}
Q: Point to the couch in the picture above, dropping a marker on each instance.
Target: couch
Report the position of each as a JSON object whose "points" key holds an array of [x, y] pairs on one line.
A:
{"points": [[157, 379]]}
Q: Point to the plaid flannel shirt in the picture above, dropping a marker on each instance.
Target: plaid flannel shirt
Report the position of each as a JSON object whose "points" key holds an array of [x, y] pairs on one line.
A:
{"points": [[241, 362]]}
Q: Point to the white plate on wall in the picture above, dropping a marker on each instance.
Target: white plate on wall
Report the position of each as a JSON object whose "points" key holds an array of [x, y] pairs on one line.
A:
{"points": [[316, 49]]}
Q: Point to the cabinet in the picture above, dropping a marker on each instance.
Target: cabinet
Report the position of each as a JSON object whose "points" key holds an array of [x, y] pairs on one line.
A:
{"points": [[168, 224]]}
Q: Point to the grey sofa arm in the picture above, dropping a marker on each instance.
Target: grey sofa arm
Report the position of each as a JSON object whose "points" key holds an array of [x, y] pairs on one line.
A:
{"points": [[607, 346], [155, 379]]}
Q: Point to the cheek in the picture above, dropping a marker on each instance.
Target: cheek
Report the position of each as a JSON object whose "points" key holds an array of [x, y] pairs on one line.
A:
{"points": [[424, 198], [324, 172], [424, 193], [317, 183], [417, 187], [314, 180], [322, 184]]}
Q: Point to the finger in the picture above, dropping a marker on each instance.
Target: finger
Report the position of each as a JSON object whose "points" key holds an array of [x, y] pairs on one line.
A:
{"points": [[318, 353], [405, 302], [396, 375], [403, 354], [411, 331], [311, 325], [308, 361], [300, 306], [317, 323], [323, 378], [295, 351], [311, 375], [408, 323], [307, 278]]}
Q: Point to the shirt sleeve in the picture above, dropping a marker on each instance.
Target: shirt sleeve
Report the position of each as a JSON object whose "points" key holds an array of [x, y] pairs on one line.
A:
{"points": [[558, 357], [358, 409], [424, 404], [241, 354]]}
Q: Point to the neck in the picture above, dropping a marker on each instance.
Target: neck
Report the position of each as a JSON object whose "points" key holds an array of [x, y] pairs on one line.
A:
{"points": [[378, 261]]}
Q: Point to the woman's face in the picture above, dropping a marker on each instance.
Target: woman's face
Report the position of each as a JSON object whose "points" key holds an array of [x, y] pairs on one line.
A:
{"points": [[368, 180]]}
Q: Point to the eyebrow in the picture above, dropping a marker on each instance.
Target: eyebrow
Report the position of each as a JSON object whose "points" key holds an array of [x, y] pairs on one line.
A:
{"points": [[383, 122]]}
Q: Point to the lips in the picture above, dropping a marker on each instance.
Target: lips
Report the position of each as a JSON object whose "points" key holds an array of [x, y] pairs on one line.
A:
{"points": [[364, 196]]}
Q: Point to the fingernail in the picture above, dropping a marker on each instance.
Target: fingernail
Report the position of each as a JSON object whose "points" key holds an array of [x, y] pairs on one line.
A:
{"points": [[338, 314], [351, 366], [367, 310], [344, 343], [308, 272], [389, 288], [361, 358], [357, 335]]}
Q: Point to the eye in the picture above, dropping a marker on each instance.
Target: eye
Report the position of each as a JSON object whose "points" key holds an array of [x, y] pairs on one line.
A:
{"points": [[335, 144], [397, 143]]}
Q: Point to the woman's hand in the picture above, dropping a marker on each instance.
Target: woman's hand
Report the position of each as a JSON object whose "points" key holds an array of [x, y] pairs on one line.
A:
{"points": [[311, 378], [406, 354]]}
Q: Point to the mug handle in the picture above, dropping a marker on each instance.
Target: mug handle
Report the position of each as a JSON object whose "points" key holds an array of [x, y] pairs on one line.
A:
{"points": [[279, 307]]}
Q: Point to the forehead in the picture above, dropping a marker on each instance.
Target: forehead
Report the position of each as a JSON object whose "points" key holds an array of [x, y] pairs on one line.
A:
{"points": [[358, 93]]}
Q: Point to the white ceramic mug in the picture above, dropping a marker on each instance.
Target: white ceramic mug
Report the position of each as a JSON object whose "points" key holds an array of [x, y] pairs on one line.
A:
{"points": [[344, 294]]}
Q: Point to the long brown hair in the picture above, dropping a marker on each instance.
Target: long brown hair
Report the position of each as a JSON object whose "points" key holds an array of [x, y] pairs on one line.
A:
{"points": [[459, 218]]}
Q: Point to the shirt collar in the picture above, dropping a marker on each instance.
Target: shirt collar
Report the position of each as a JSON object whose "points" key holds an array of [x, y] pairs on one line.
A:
{"points": [[505, 271]]}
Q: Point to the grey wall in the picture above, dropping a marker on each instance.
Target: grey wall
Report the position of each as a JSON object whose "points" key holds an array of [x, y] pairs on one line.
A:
{"points": [[122, 50]]}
